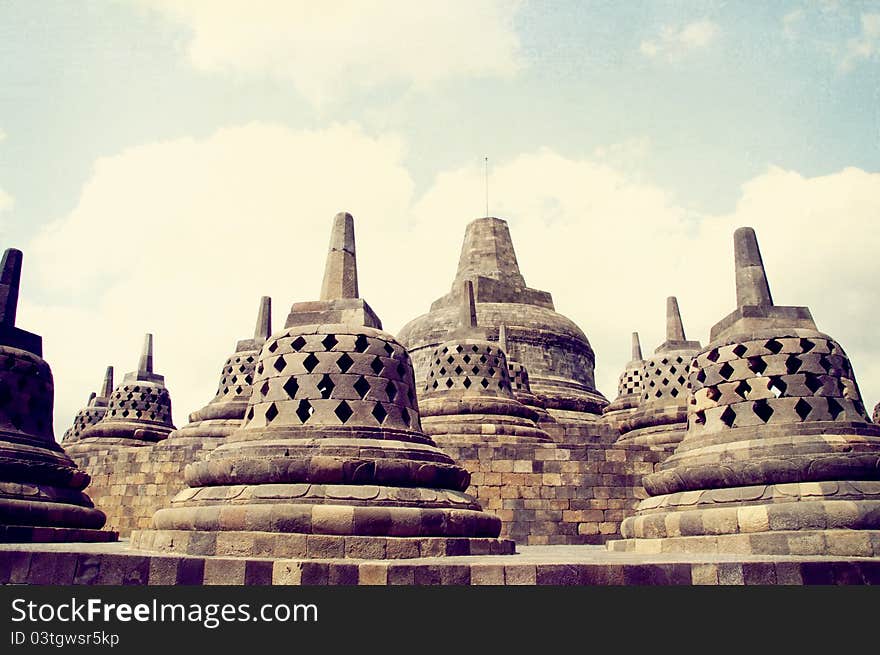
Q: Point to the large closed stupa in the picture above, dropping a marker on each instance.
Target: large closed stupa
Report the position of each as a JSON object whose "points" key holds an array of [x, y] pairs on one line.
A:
{"points": [[555, 351], [779, 456], [41, 489], [331, 461]]}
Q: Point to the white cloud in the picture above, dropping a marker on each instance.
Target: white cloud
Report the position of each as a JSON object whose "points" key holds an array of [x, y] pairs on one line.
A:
{"points": [[674, 43], [866, 46], [181, 238], [326, 49], [6, 201]]}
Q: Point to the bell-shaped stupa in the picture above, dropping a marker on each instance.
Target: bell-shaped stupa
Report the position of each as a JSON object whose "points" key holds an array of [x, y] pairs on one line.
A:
{"points": [[225, 413], [468, 397], [331, 461], [780, 456], [629, 386], [41, 489], [661, 415], [93, 412], [139, 411], [556, 352]]}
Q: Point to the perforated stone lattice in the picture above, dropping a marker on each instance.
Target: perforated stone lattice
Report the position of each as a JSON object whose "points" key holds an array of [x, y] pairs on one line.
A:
{"points": [[630, 382], [328, 379], [84, 418], [140, 401], [519, 377], [237, 377], [26, 393], [666, 377], [474, 367], [773, 381]]}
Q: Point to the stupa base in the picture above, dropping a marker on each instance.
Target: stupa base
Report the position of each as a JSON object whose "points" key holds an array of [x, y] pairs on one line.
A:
{"points": [[12, 534], [227, 543]]}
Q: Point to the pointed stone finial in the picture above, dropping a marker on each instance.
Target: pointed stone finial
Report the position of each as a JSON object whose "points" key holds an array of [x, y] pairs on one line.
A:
{"points": [[502, 337], [674, 326], [107, 387], [263, 329], [488, 251], [468, 317], [340, 272], [10, 280], [146, 363], [636, 348], [752, 287], [92, 396]]}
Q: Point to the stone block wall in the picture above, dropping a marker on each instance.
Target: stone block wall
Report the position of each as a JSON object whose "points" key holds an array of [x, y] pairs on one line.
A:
{"points": [[551, 494], [130, 483]]}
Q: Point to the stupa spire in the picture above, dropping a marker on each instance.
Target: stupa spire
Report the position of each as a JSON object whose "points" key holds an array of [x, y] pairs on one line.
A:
{"points": [[487, 251], [263, 329], [752, 287], [10, 280], [674, 326], [340, 271], [107, 387], [146, 362], [636, 347]]}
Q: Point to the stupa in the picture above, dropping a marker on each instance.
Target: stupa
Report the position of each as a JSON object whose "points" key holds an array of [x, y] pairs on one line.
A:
{"points": [[139, 411], [780, 456], [225, 413], [555, 351], [629, 386], [41, 489], [468, 397], [331, 461], [93, 412], [661, 415]]}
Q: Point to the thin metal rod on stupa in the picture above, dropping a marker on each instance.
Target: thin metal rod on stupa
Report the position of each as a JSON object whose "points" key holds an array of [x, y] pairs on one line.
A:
{"points": [[10, 281], [107, 387], [263, 329], [674, 326], [636, 347], [146, 363], [752, 287], [340, 271]]}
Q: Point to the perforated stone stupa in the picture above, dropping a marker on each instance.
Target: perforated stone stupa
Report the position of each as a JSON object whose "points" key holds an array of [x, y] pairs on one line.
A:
{"points": [[331, 461], [225, 413], [139, 411], [629, 386], [468, 396], [555, 351], [661, 415], [41, 489], [780, 456], [93, 412]]}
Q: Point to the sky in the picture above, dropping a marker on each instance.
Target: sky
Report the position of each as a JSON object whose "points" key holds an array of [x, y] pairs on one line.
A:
{"points": [[164, 163]]}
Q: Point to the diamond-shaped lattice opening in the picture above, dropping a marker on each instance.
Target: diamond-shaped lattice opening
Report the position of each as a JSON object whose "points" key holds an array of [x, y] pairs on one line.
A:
{"points": [[674, 392], [376, 365], [834, 408], [491, 371], [450, 359], [250, 414], [777, 386], [740, 350], [238, 390], [449, 383], [467, 359], [672, 370], [483, 359], [475, 348], [404, 414], [379, 413], [311, 362], [652, 383], [701, 376], [726, 370], [361, 343], [391, 391], [442, 370], [484, 383], [713, 355], [773, 346], [826, 364], [681, 379], [279, 363], [271, 413], [757, 365], [298, 343], [792, 364], [743, 389], [664, 382], [434, 385], [401, 369], [712, 393], [812, 382], [445, 350], [260, 368], [343, 411], [389, 349], [475, 370], [458, 348], [344, 362], [762, 409], [467, 383], [326, 386], [459, 370], [658, 393], [304, 410], [362, 386], [803, 408], [728, 416], [807, 345], [664, 361], [329, 341], [272, 348]]}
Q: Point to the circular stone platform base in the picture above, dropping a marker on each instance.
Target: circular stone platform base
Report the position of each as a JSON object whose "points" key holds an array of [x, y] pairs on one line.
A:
{"points": [[12, 534], [308, 546]]}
